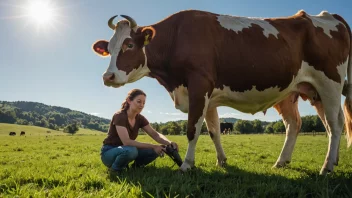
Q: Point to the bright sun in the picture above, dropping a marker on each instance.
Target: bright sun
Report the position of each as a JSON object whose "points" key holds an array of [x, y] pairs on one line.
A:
{"points": [[41, 12], [40, 15]]}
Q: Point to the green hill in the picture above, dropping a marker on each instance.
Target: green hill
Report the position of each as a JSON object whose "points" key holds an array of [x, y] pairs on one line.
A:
{"points": [[53, 117], [229, 120]]}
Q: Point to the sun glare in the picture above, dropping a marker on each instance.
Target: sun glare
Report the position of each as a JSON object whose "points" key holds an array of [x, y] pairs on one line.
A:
{"points": [[41, 12], [40, 15]]}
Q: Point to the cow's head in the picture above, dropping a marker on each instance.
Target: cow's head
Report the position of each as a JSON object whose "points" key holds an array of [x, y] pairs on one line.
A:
{"points": [[126, 49]]}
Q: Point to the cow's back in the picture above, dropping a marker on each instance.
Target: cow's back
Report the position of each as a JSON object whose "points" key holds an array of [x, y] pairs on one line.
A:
{"points": [[254, 63], [264, 53]]}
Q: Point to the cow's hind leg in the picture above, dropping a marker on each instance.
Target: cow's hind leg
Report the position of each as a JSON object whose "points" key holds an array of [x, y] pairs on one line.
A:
{"points": [[320, 110], [213, 125], [288, 108], [334, 120]]}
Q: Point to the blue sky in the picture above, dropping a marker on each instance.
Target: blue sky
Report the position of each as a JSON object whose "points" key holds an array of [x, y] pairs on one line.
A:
{"points": [[54, 64]]}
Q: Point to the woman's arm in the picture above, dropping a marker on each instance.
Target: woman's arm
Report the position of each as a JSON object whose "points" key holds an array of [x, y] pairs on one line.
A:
{"points": [[158, 137], [126, 141]]}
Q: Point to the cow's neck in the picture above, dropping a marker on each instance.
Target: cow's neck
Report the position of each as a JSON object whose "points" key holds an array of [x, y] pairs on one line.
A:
{"points": [[159, 53]]}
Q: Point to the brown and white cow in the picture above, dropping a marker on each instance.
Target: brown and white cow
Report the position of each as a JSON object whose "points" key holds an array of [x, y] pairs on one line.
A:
{"points": [[206, 60]]}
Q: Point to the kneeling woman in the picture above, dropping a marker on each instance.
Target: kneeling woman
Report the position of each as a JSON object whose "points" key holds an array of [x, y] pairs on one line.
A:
{"points": [[120, 146]]}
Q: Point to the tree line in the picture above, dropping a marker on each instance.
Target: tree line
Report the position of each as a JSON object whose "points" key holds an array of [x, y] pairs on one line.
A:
{"points": [[57, 118], [310, 123]]}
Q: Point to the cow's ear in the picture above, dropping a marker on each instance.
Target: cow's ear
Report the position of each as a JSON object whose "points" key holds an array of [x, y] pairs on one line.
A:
{"points": [[149, 34], [101, 48]]}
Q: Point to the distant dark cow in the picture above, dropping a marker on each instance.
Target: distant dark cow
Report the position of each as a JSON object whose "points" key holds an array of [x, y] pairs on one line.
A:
{"points": [[12, 133], [23, 133], [226, 126], [205, 60]]}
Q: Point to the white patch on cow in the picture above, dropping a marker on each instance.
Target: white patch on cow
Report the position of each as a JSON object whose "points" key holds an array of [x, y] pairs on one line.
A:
{"points": [[325, 21], [121, 33], [237, 24], [201, 119], [253, 101], [189, 159], [250, 101], [137, 73], [180, 97]]}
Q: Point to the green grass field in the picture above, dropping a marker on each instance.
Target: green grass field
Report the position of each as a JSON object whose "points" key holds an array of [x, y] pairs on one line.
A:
{"points": [[60, 165]]}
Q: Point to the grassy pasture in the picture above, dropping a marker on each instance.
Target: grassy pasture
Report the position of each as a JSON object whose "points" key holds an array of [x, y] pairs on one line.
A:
{"points": [[60, 165]]}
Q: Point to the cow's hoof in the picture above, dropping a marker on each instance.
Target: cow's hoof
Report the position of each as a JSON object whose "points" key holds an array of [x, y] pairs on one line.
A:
{"points": [[221, 163], [324, 171], [185, 167], [336, 163], [281, 164]]}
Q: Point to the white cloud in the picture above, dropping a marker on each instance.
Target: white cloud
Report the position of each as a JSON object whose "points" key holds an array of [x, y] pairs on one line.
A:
{"points": [[149, 111], [227, 115], [95, 114], [172, 114]]}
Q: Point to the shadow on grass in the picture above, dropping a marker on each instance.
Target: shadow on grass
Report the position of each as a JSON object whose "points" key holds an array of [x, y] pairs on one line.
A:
{"points": [[234, 182]]}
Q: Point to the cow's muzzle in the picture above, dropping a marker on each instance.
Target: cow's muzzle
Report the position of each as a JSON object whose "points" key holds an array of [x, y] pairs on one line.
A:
{"points": [[108, 78]]}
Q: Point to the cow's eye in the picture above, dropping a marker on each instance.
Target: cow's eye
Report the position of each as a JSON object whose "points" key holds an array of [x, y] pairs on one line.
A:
{"points": [[130, 45]]}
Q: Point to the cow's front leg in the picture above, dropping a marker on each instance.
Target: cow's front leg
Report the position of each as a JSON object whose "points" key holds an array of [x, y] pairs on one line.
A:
{"points": [[199, 94]]}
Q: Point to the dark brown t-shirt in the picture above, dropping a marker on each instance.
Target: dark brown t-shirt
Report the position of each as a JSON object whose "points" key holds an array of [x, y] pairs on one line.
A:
{"points": [[120, 119]]}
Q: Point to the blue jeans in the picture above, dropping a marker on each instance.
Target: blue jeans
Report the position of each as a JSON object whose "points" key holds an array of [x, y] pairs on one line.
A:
{"points": [[119, 157]]}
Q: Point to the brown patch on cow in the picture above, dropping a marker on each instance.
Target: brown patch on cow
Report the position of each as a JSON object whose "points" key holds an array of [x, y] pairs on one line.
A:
{"points": [[325, 53], [131, 58], [201, 88]]}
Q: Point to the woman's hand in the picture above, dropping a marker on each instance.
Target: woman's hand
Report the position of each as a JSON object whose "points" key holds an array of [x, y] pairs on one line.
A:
{"points": [[174, 145], [159, 150]]}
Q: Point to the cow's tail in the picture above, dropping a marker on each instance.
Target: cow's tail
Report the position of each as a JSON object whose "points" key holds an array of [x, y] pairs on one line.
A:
{"points": [[348, 100]]}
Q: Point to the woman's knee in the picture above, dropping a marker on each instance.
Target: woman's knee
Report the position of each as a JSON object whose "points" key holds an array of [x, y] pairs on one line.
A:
{"points": [[106, 161], [131, 152]]}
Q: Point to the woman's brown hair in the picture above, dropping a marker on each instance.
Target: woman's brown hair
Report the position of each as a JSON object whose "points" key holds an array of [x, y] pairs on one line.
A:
{"points": [[131, 96]]}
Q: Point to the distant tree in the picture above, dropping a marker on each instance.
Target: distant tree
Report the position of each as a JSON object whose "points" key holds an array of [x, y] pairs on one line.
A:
{"points": [[8, 116], [53, 126], [318, 124], [257, 126], [173, 129], [71, 128], [244, 126], [163, 129], [93, 125], [279, 127], [21, 122], [269, 128], [204, 128], [183, 125], [44, 123], [307, 124], [155, 126]]}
